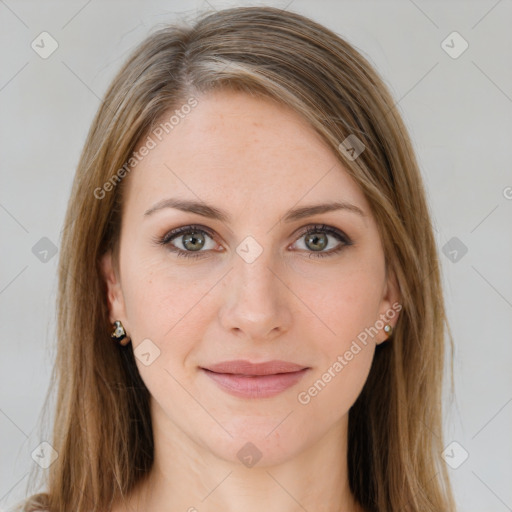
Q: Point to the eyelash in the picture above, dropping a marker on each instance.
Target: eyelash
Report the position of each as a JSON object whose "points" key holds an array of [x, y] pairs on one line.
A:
{"points": [[318, 228]]}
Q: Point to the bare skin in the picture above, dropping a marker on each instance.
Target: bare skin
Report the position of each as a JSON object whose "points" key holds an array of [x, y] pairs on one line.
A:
{"points": [[254, 160]]}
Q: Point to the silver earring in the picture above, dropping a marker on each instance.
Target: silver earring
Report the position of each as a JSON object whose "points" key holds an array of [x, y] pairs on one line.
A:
{"points": [[119, 334], [388, 329]]}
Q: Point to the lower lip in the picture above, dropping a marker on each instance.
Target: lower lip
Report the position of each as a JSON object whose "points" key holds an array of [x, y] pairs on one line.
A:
{"points": [[262, 386]]}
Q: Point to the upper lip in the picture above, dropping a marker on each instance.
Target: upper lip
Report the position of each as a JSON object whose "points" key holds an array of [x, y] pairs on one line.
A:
{"points": [[241, 367]]}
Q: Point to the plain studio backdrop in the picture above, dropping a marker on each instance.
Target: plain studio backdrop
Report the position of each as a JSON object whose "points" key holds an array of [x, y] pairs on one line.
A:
{"points": [[447, 64]]}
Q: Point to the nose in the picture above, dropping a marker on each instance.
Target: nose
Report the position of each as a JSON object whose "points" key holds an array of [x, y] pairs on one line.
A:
{"points": [[256, 300]]}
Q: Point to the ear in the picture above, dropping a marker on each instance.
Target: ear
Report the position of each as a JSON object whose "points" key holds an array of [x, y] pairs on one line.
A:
{"points": [[115, 298], [390, 305]]}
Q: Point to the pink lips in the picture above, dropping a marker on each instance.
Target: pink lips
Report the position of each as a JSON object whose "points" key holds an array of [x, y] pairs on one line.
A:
{"points": [[260, 380]]}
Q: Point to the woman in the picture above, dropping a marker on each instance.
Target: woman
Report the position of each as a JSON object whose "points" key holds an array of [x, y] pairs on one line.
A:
{"points": [[250, 309]]}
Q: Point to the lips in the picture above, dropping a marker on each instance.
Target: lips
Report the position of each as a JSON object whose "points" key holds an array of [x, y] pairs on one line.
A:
{"points": [[241, 367], [255, 380]]}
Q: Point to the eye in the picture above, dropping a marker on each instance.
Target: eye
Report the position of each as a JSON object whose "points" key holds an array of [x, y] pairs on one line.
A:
{"points": [[190, 240], [316, 239]]}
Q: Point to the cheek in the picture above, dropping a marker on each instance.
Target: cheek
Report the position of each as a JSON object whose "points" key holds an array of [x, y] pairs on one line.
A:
{"points": [[349, 303], [159, 305], [333, 389], [158, 293], [349, 307], [167, 304]]}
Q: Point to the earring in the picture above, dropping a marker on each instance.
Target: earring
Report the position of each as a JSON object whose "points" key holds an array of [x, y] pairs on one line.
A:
{"points": [[388, 329], [119, 334]]}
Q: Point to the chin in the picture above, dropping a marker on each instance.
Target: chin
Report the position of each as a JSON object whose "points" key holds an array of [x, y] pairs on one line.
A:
{"points": [[257, 442]]}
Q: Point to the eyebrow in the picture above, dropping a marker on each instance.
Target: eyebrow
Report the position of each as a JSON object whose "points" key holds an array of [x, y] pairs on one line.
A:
{"points": [[206, 210]]}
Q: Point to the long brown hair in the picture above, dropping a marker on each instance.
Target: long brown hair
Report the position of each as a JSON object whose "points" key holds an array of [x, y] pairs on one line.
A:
{"points": [[102, 427]]}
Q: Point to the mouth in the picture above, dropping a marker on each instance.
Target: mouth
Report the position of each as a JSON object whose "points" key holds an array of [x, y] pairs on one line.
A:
{"points": [[255, 380]]}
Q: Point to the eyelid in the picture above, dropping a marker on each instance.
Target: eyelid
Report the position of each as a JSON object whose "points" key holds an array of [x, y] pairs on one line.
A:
{"points": [[330, 230], [174, 233]]}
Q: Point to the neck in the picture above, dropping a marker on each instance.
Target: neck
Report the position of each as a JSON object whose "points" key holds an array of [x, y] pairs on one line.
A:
{"points": [[190, 477]]}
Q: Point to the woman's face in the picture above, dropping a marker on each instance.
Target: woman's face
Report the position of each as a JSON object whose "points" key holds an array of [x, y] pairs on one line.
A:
{"points": [[246, 283]]}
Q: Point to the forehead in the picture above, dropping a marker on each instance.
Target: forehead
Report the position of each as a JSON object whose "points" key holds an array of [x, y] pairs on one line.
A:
{"points": [[242, 152]]}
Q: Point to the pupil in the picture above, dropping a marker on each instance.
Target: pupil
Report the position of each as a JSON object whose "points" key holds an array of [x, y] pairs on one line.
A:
{"points": [[193, 239], [319, 240]]}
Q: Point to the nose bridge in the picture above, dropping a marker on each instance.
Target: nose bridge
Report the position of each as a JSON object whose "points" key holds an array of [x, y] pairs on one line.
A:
{"points": [[255, 301], [256, 276], [254, 280]]}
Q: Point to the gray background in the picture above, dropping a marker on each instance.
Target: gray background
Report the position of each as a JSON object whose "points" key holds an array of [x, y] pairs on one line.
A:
{"points": [[458, 111]]}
